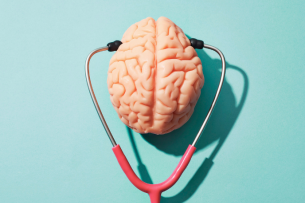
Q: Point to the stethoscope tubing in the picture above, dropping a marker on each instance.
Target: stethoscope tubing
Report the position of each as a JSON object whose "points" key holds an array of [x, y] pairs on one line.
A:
{"points": [[154, 190]]}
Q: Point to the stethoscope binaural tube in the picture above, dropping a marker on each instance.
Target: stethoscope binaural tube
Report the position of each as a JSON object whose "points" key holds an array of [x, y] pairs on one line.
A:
{"points": [[154, 190]]}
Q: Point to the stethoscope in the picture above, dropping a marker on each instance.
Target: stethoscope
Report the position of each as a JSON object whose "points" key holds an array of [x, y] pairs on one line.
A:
{"points": [[154, 190]]}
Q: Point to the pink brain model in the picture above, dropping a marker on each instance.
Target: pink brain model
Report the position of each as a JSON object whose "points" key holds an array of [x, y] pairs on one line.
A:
{"points": [[155, 77]]}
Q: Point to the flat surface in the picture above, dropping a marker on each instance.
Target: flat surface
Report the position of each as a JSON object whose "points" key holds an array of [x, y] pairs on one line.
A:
{"points": [[53, 147]]}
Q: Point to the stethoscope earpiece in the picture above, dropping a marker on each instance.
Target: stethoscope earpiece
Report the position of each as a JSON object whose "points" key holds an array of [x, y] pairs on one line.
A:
{"points": [[114, 46]]}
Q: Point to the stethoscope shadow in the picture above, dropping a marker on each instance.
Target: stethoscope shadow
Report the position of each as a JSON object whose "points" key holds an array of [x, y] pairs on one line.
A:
{"points": [[218, 128]]}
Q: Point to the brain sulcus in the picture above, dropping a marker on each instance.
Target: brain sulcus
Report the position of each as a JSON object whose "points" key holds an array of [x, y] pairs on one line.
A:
{"points": [[155, 77]]}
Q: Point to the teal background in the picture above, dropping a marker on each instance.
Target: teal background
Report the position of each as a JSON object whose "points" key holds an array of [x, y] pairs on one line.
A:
{"points": [[53, 147]]}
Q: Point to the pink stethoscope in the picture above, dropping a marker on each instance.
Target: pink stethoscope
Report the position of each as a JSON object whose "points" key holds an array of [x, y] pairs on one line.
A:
{"points": [[154, 190]]}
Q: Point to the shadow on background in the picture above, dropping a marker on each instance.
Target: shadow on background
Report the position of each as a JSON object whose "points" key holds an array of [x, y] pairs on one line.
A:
{"points": [[218, 128]]}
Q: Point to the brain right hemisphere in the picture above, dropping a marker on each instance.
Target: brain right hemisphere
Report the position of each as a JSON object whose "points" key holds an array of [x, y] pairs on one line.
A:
{"points": [[155, 77]]}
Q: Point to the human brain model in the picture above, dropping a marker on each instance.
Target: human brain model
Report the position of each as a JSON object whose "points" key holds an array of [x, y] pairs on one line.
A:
{"points": [[155, 77]]}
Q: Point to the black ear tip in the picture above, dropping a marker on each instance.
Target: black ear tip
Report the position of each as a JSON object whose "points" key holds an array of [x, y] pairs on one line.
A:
{"points": [[197, 44], [113, 46]]}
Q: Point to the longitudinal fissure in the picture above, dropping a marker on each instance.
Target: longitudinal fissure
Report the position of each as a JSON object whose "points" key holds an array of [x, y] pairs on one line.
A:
{"points": [[155, 79]]}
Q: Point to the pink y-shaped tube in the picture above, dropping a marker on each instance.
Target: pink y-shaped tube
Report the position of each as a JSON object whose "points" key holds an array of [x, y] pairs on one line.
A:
{"points": [[154, 190]]}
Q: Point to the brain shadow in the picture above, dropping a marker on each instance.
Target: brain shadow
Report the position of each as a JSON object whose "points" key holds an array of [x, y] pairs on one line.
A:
{"points": [[221, 122]]}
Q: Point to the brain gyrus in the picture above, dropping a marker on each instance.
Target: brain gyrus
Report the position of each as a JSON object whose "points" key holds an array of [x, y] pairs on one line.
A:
{"points": [[155, 77]]}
